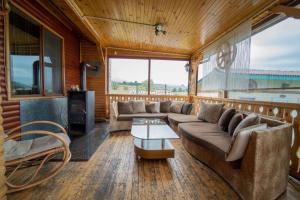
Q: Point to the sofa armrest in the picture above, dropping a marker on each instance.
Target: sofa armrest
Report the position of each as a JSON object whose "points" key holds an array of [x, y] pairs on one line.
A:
{"points": [[266, 162], [114, 110]]}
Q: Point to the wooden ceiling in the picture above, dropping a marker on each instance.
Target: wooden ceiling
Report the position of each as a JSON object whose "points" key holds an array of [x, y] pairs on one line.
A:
{"points": [[190, 24]]}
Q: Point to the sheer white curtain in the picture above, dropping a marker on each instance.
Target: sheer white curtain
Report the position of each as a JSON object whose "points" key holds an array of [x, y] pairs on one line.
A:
{"points": [[227, 61]]}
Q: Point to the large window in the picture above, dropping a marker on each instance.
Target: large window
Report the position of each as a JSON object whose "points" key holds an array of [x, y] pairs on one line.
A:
{"points": [[131, 76], [168, 77], [128, 76], [274, 73], [35, 57]]}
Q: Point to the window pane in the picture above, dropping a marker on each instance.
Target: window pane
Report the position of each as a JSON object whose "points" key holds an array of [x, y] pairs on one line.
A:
{"points": [[275, 64], [169, 77], [200, 76], [52, 63], [128, 76], [24, 54]]}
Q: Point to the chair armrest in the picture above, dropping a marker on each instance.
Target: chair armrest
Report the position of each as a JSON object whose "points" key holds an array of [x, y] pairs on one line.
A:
{"points": [[266, 162], [114, 109], [37, 122]]}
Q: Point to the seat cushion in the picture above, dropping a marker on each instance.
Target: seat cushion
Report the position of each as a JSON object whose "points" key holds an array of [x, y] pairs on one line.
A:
{"points": [[234, 122], [182, 118], [138, 106], [225, 118], [187, 108], [208, 135], [250, 120], [36, 145], [165, 106], [210, 112], [152, 107], [125, 107], [176, 106], [129, 117]]}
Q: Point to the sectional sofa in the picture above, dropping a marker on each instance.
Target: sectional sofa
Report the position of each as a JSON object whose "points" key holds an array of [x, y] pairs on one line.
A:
{"points": [[250, 152]]}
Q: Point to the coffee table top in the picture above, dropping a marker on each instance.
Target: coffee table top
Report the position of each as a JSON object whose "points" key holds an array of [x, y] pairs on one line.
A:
{"points": [[151, 129]]}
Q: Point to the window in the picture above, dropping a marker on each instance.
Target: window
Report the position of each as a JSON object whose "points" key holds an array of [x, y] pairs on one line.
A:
{"points": [[128, 76], [275, 64], [33, 71], [200, 76], [131, 76], [168, 77]]}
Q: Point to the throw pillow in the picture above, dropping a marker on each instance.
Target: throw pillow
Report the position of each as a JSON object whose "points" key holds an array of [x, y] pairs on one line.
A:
{"points": [[187, 108], [176, 106], [234, 122], [210, 112], [250, 120], [240, 142], [165, 106], [152, 107], [225, 118], [125, 107], [138, 106]]}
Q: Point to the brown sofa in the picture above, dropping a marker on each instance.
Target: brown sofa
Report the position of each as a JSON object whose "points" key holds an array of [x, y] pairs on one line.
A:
{"points": [[262, 173], [123, 122]]}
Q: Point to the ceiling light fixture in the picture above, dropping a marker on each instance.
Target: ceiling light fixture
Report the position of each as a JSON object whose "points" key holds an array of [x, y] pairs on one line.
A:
{"points": [[158, 28]]}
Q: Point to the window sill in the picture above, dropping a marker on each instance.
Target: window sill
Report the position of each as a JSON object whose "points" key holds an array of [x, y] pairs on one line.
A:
{"points": [[14, 98]]}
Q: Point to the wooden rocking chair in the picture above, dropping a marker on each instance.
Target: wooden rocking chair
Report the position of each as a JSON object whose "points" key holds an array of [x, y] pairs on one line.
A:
{"points": [[38, 152]]}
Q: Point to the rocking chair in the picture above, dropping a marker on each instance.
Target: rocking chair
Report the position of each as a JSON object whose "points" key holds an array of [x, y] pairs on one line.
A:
{"points": [[25, 153]]}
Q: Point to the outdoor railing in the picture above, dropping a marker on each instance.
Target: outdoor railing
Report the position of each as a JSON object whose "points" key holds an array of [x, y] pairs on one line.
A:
{"points": [[288, 112]]}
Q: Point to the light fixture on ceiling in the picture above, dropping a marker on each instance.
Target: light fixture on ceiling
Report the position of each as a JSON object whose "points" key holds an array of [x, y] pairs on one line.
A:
{"points": [[159, 28]]}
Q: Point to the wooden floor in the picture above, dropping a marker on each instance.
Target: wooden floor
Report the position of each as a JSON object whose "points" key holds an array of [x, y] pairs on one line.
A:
{"points": [[114, 172]]}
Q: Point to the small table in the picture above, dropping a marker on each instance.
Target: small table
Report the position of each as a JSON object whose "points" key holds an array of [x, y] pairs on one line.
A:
{"points": [[151, 138]]}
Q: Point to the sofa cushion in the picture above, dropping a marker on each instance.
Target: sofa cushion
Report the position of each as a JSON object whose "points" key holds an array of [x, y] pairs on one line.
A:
{"points": [[225, 118], [207, 134], [129, 117], [210, 112], [138, 106], [125, 107], [165, 106], [234, 122], [152, 107], [176, 106], [250, 120], [187, 108], [176, 118], [240, 141]]}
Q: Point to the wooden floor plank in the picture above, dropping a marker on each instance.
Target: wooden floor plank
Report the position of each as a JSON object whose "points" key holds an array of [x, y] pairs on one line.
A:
{"points": [[114, 172]]}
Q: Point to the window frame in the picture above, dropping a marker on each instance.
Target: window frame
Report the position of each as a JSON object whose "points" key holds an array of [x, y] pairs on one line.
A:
{"points": [[256, 29], [149, 71], [42, 29]]}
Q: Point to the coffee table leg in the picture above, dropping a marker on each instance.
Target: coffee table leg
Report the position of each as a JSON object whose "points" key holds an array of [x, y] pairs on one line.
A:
{"points": [[163, 143]]}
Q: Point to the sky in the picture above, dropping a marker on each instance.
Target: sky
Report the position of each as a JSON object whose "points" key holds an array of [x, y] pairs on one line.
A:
{"points": [[278, 47], [162, 71]]}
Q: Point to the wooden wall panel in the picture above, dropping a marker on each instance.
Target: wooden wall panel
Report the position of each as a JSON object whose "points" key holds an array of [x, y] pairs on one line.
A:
{"points": [[2, 165], [89, 51], [11, 108]]}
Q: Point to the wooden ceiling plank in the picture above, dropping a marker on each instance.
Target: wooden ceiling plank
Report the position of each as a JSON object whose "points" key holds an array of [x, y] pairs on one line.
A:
{"points": [[86, 22]]}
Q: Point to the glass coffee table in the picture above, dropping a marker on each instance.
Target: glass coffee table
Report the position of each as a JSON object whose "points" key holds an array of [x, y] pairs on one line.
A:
{"points": [[151, 138]]}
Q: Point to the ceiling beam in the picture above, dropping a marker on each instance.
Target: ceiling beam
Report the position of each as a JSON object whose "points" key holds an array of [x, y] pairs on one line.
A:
{"points": [[74, 7], [287, 11]]}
